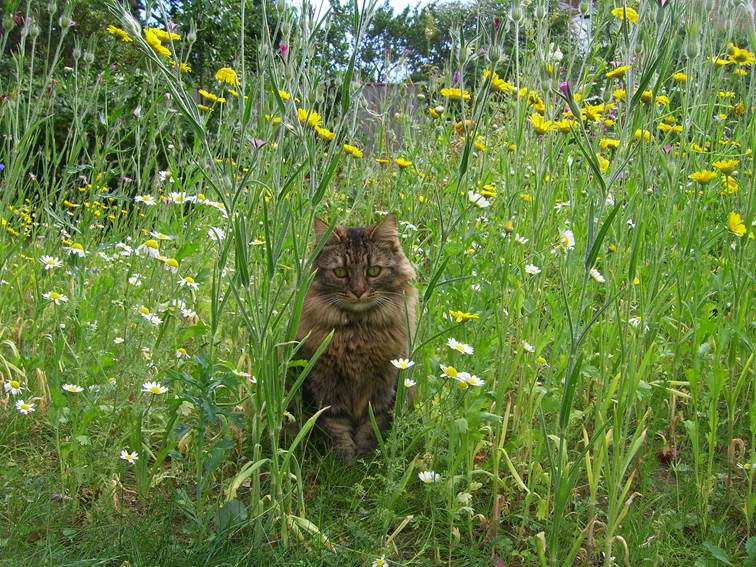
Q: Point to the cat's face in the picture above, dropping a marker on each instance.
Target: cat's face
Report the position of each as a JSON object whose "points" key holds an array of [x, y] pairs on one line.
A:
{"points": [[361, 268]]}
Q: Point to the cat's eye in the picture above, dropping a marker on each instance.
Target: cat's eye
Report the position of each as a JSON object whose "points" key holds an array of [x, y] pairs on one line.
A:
{"points": [[340, 272], [373, 271]]}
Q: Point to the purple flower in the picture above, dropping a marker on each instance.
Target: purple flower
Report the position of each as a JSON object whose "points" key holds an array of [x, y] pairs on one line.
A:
{"points": [[564, 88], [2, 166], [497, 23], [283, 49], [667, 148], [456, 77], [257, 143]]}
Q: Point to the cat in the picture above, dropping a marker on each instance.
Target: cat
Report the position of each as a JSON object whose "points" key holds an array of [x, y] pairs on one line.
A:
{"points": [[361, 290]]}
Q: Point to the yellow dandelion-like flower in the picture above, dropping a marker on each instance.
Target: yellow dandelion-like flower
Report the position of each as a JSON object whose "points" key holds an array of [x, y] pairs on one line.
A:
{"points": [[402, 163], [325, 133], [624, 13], [609, 143], [680, 77], [283, 94], [210, 96], [119, 33], [644, 135], [618, 72], [455, 94], [540, 125], [461, 316], [227, 75], [164, 36], [154, 42], [603, 163], [735, 224], [729, 185], [702, 177], [647, 96], [670, 128], [726, 166], [619, 94], [354, 151], [309, 117], [564, 125]]}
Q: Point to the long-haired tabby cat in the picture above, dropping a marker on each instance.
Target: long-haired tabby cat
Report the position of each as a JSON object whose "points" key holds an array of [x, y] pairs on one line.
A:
{"points": [[362, 291]]}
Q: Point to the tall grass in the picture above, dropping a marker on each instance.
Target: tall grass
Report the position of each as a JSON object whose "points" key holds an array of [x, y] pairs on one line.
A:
{"points": [[615, 423]]}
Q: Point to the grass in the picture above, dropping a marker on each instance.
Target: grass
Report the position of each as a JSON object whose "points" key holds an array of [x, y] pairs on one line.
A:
{"points": [[615, 424]]}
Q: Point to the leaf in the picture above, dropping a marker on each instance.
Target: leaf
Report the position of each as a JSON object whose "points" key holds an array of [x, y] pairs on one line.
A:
{"points": [[593, 254], [246, 471], [751, 548], [569, 393], [717, 552], [232, 514]]}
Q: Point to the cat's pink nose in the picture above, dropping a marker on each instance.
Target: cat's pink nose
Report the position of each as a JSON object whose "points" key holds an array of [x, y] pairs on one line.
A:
{"points": [[359, 292]]}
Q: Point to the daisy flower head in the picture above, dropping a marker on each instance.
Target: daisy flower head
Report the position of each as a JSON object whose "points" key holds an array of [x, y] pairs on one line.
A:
{"points": [[596, 275], [55, 297], [154, 388], [454, 344], [25, 407], [409, 383], [72, 388], [402, 363], [625, 13], [171, 264], [189, 282], [149, 248], [148, 200], [532, 269], [429, 477], [130, 456], [216, 234], [478, 199], [381, 562], [50, 262], [75, 249], [135, 280], [527, 346], [474, 381], [13, 387], [566, 240], [449, 372]]}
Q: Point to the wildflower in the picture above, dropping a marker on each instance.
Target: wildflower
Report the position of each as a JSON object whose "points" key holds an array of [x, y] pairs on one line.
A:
{"points": [[527, 346], [741, 56], [165, 36], [519, 239], [726, 166], [622, 13], [402, 363], [735, 224], [216, 234], [703, 176], [455, 94], [429, 477], [729, 185], [181, 353], [160, 236], [680, 77], [473, 380], [227, 75], [55, 297], [150, 248], [171, 264], [619, 94], [119, 33], [189, 282], [154, 388], [459, 347], [381, 562], [131, 457], [644, 135], [542, 361], [596, 275], [461, 316], [13, 387], [671, 128], [609, 143], [532, 269], [75, 249], [540, 125], [618, 71], [283, 94], [309, 117], [325, 133], [135, 280], [24, 407], [354, 151], [566, 240], [210, 96], [72, 388], [646, 96], [603, 163], [478, 199], [50, 262], [564, 126], [402, 163], [662, 100], [154, 42], [145, 200]]}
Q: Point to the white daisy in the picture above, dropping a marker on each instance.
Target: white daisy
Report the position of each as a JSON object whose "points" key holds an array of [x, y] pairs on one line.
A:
{"points": [[596, 275], [409, 383], [24, 407], [458, 346], [75, 249], [55, 297], [135, 280], [50, 262], [13, 387], [189, 282], [402, 363], [131, 457], [478, 199], [148, 200], [154, 388], [429, 477], [73, 388], [216, 234], [532, 269]]}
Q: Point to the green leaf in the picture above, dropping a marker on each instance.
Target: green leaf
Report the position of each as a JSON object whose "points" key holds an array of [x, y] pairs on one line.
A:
{"points": [[230, 515], [593, 254]]}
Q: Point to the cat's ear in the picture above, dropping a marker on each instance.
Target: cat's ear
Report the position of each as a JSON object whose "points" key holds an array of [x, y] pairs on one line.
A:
{"points": [[320, 227], [386, 229]]}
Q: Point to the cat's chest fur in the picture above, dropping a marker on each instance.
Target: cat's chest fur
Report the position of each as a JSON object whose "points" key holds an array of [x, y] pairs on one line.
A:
{"points": [[360, 352]]}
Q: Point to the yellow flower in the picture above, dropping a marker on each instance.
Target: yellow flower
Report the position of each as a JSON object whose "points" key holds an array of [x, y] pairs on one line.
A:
{"points": [[499, 84], [325, 133], [662, 99], [703, 176], [274, 119], [741, 56], [382, 161], [165, 36], [353, 151], [603, 163], [729, 185], [461, 316], [619, 94], [680, 77], [726, 166], [184, 67], [719, 62], [647, 96], [283, 94], [740, 72], [735, 224], [461, 126], [540, 125], [203, 107], [455, 94], [479, 145], [308, 117], [154, 42], [619, 71], [609, 143], [527, 197], [402, 163], [121, 34], [644, 135], [669, 128], [210, 96], [622, 13], [564, 125], [227, 75]]}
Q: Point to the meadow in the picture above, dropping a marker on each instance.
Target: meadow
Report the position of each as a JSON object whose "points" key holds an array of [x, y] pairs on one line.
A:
{"points": [[581, 221]]}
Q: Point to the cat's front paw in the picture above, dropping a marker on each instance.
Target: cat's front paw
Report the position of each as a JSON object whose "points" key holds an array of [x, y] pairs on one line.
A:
{"points": [[345, 451]]}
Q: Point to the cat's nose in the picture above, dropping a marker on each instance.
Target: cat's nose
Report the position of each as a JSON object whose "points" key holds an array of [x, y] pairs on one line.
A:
{"points": [[360, 292]]}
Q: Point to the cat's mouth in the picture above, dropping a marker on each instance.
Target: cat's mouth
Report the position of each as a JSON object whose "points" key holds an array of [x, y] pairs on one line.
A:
{"points": [[359, 304]]}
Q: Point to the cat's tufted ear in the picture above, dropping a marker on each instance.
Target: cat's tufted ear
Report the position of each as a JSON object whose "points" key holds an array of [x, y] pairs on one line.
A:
{"points": [[386, 229], [320, 227]]}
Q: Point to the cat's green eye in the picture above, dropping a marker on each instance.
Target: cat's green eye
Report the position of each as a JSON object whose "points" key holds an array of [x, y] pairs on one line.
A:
{"points": [[373, 271], [340, 272]]}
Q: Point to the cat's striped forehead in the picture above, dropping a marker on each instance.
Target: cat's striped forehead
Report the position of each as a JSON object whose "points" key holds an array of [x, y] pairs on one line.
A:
{"points": [[354, 246]]}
